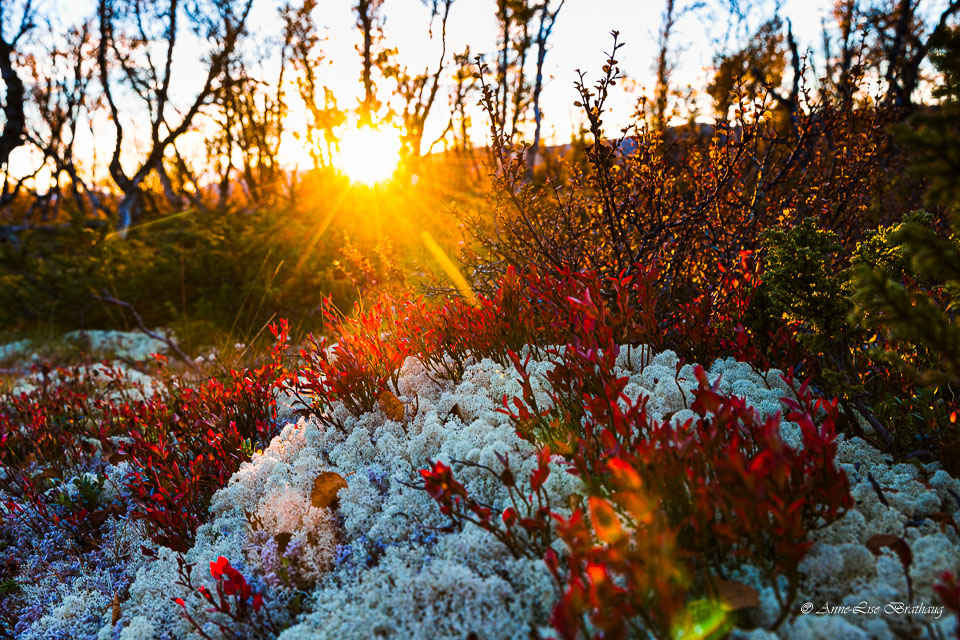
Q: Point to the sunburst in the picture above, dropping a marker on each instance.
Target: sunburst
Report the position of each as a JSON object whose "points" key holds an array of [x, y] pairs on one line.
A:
{"points": [[367, 154]]}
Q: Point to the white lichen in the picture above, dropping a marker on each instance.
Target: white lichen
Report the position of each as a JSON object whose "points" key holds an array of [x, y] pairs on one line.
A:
{"points": [[378, 562]]}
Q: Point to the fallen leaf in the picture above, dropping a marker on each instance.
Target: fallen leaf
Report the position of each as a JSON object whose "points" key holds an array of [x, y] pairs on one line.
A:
{"points": [[392, 406], [736, 595], [115, 616], [945, 520], [49, 474], [283, 539], [98, 517], [325, 489], [895, 543], [899, 546]]}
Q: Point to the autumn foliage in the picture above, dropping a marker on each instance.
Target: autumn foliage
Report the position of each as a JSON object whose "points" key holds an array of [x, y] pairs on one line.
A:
{"points": [[182, 441]]}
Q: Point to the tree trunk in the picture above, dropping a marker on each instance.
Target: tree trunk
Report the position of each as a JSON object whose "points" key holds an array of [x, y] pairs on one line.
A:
{"points": [[169, 193], [663, 68], [15, 125], [547, 20], [365, 18], [129, 208]]}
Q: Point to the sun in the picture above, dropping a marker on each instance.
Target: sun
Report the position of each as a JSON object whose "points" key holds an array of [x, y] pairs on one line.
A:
{"points": [[368, 154]]}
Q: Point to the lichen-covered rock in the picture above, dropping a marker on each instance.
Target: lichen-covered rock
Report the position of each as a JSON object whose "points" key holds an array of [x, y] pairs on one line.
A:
{"points": [[123, 345]]}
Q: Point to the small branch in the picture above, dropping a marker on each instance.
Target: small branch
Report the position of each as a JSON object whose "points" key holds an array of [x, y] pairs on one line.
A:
{"points": [[106, 297]]}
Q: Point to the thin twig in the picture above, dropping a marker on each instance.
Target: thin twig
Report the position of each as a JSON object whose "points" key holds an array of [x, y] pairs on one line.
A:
{"points": [[106, 297]]}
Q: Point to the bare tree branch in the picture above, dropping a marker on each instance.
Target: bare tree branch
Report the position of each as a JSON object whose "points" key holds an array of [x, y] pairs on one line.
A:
{"points": [[14, 126], [106, 297]]}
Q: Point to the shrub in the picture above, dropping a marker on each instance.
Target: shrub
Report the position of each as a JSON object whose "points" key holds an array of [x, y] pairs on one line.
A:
{"points": [[689, 198], [932, 136], [186, 444], [235, 601], [802, 281], [226, 269], [47, 435], [722, 489], [524, 527], [183, 442], [356, 365]]}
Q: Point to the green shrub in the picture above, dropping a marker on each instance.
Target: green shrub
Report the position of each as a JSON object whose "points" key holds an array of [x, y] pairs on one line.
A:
{"points": [[878, 328], [801, 279]]}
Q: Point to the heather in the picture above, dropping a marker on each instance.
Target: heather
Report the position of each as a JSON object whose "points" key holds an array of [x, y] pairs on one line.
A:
{"points": [[691, 377]]}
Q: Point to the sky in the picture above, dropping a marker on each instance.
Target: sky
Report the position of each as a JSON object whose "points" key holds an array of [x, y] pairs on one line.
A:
{"points": [[579, 39]]}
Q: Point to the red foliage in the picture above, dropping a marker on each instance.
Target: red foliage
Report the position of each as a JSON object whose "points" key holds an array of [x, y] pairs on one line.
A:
{"points": [[186, 447], [235, 599], [670, 508], [46, 435], [949, 591], [711, 324], [184, 442], [358, 362], [438, 336], [523, 527]]}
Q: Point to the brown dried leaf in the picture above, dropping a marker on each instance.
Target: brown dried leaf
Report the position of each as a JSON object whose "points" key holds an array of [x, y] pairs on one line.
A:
{"points": [[392, 406], [283, 539], [897, 544], [325, 489], [98, 517], [49, 473], [945, 520], [736, 595], [116, 614], [900, 547]]}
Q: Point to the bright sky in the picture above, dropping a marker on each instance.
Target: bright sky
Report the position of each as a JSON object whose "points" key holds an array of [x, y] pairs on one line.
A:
{"points": [[580, 36]]}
